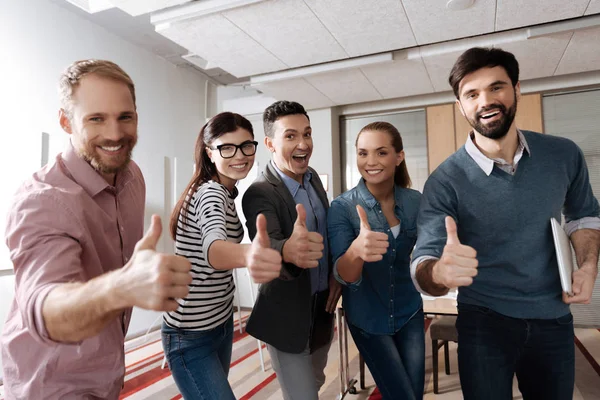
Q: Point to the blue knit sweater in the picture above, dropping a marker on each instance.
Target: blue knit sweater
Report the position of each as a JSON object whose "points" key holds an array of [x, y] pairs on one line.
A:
{"points": [[506, 218]]}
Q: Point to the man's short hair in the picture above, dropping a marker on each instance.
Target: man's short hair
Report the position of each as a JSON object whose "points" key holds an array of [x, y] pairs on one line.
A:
{"points": [[71, 77], [280, 109], [483, 57]]}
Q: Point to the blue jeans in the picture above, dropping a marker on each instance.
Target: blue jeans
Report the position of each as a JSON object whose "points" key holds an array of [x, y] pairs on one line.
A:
{"points": [[397, 362], [199, 360], [492, 348]]}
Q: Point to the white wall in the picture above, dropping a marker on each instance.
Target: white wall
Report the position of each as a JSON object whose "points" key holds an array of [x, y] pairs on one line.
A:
{"points": [[325, 157], [38, 40]]}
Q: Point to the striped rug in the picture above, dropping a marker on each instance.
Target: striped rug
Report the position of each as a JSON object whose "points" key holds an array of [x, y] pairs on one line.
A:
{"points": [[145, 379]]}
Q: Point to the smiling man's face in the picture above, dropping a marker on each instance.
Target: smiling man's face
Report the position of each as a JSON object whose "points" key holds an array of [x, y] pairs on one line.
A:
{"points": [[488, 101], [291, 145]]}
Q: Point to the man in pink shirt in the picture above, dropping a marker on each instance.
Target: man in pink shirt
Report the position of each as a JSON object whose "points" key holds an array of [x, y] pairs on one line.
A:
{"points": [[74, 232]]}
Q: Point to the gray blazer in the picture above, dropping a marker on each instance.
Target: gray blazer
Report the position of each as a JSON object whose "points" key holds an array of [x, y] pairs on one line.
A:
{"points": [[285, 314]]}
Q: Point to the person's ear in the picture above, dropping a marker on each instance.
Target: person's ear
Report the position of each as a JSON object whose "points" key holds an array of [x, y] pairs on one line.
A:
{"points": [[64, 121]]}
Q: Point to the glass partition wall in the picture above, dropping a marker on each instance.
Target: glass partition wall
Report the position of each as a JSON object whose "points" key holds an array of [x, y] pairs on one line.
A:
{"points": [[574, 115]]}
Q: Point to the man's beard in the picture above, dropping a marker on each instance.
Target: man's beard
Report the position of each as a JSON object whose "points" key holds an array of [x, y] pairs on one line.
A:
{"points": [[92, 156], [499, 128]]}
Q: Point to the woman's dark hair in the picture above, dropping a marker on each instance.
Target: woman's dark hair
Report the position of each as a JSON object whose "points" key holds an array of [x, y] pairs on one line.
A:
{"points": [[401, 177], [483, 57], [205, 170]]}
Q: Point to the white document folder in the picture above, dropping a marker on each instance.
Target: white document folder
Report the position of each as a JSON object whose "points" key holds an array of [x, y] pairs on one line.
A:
{"points": [[564, 256]]}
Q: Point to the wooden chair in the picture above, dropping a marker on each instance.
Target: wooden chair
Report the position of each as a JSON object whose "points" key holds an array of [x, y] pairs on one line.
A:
{"points": [[442, 331]]}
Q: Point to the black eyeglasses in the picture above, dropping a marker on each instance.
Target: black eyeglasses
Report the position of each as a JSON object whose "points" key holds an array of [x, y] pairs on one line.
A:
{"points": [[228, 150]]}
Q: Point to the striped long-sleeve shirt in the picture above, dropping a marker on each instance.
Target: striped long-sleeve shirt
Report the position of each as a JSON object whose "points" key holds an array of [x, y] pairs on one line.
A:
{"points": [[211, 216]]}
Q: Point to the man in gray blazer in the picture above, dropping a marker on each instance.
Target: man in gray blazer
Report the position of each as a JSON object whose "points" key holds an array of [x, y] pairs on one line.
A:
{"points": [[293, 314]]}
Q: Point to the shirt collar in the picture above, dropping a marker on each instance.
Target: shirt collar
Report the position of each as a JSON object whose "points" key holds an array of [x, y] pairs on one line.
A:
{"points": [[87, 177], [486, 163], [290, 183], [370, 200]]}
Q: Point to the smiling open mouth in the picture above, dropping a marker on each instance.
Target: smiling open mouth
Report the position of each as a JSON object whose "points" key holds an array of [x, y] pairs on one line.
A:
{"points": [[112, 149], [239, 166], [489, 114], [300, 157]]}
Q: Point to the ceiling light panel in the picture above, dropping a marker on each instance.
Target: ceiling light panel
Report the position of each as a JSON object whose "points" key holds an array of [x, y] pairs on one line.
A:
{"points": [[289, 30], [139, 7], [512, 14], [365, 27], [223, 44], [432, 22]]}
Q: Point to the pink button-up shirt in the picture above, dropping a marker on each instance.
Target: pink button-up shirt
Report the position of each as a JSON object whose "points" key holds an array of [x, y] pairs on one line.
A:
{"points": [[66, 224]]}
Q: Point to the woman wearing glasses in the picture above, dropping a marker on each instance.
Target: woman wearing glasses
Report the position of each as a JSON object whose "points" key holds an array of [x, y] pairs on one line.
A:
{"points": [[372, 231], [197, 337]]}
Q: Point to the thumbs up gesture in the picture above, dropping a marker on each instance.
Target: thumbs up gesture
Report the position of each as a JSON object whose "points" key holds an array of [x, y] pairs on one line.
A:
{"points": [[263, 263], [370, 246], [303, 249], [153, 280], [458, 264]]}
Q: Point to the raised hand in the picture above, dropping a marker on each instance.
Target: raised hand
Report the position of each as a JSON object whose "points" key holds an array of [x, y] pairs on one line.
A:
{"points": [[153, 280], [263, 263], [303, 249], [369, 246], [458, 264]]}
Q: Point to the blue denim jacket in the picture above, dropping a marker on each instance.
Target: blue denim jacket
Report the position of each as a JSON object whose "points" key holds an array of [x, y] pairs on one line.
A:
{"points": [[384, 298]]}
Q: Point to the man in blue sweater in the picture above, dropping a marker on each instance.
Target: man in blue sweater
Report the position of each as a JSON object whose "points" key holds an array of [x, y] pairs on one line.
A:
{"points": [[484, 226]]}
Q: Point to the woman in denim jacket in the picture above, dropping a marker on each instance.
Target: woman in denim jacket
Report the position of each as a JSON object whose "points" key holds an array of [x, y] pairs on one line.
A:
{"points": [[372, 231]]}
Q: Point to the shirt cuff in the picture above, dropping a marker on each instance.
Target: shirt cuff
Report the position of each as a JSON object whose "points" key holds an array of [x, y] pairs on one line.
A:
{"points": [[413, 272], [583, 223], [352, 285], [38, 325]]}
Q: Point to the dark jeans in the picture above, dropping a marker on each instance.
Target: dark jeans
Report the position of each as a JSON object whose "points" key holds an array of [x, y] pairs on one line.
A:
{"points": [[199, 360], [397, 362], [492, 348]]}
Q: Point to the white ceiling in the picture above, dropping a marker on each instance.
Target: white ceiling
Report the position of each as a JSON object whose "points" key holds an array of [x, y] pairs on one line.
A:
{"points": [[289, 30], [136, 7], [140, 31], [593, 7], [582, 53], [292, 33], [385, 27], [298, 89], [432, 22], [513, 14], [276, 35], [221, 42]]}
